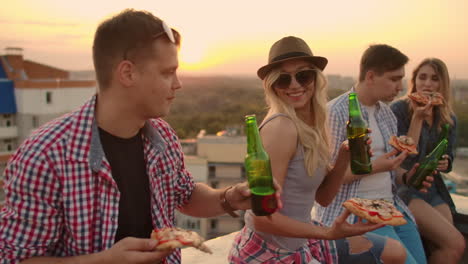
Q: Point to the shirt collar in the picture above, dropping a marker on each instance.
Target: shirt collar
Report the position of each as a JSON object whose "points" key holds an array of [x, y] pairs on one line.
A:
{"points": [[96, 152]]}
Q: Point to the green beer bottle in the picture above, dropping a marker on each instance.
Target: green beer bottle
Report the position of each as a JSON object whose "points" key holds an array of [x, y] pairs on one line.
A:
{"points": [[258, 170], [445, 132], [356, 129], [428, 165]]}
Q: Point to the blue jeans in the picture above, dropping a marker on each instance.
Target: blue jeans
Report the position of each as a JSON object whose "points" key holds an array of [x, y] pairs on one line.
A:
{"points": [[371, 256], [409, 237]]}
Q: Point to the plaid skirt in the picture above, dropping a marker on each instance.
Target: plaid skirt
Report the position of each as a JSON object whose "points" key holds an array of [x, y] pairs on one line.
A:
{"points": [[249, 247]]}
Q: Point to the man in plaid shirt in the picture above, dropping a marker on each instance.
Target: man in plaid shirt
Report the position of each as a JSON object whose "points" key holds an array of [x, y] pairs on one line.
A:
{"points": [[380, 80], [90, 186]]}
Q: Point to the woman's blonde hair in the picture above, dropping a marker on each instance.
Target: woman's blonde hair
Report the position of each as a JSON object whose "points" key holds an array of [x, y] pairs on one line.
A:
{"points": [[313, 138], [442, 73]]}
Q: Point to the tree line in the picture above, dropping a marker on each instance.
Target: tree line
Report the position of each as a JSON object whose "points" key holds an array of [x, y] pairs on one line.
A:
{"points": [[216, 103]]}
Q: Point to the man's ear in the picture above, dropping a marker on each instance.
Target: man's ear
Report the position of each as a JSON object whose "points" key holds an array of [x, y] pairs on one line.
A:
{"points": [[370, 75], [126, 73]]}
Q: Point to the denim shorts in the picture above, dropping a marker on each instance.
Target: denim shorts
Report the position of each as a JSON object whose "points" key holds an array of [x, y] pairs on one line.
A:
{"points": [[408, 236], [370, 256], [432, 196]]}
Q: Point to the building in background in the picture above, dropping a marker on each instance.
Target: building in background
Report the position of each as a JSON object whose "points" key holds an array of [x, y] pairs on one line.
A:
{"points": [[32, 94], [219, 162]]}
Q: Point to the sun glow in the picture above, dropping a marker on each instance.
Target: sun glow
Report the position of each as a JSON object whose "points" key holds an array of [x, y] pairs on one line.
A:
{"points": [[192, 59], [214, 57], [235, 37]]}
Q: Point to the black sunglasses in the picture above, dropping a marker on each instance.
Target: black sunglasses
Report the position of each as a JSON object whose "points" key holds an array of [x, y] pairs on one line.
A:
{"points": [[304, 78]]}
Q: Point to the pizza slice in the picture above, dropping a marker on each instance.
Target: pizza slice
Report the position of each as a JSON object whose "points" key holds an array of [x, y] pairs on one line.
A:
{"points": [[375, 211], [174, 237], [419, 98], [424, 97], [402, 143], [436, 98]]}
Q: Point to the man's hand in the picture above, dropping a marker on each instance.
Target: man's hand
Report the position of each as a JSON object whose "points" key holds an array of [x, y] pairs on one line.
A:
{"points": [[341, 228], [387, 162], [239, 196], [135, 250]]}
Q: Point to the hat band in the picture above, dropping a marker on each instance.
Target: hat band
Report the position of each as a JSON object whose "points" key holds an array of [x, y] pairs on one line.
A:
{"points": [[289, 55]]}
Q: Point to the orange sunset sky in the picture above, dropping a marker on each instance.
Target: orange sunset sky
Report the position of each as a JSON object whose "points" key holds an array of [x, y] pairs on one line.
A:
{"points": [[233, 37]]}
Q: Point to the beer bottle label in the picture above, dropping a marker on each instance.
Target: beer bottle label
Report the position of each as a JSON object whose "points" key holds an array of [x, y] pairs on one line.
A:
{"points": [[269, 203], [258, 168]]}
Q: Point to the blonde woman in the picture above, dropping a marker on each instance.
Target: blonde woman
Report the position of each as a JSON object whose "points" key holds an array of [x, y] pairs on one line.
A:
{"points": [[432, 210], [294, 135]]}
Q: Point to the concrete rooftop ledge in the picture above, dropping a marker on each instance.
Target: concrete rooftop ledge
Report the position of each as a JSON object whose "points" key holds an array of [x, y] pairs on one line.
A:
{"points": [[221, 245]]}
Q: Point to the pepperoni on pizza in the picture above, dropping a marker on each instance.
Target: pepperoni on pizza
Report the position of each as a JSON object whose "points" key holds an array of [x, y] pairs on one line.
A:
{"points": [[375, 211]]}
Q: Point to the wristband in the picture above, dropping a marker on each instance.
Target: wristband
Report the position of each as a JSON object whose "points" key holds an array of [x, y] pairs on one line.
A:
{"points": [[225, 204], [404, 176]]}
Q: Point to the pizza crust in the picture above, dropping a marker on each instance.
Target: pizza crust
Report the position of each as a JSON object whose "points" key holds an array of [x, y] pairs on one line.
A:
{"points": [[424, 97], [173, 237], [394, 220], [402, 143]]}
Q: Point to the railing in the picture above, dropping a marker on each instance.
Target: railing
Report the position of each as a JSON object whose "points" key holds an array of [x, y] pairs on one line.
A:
{"points": [[8, 132]]}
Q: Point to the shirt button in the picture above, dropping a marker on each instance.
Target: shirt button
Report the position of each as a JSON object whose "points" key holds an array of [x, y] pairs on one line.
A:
{"points": [[113, 219]]}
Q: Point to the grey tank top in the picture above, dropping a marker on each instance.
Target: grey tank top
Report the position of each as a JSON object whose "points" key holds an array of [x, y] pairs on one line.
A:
{"points": [[298, 196]]}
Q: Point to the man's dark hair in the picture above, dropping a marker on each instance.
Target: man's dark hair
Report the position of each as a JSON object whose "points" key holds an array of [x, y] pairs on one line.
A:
{"points": [[381, 58], [128, 35]]}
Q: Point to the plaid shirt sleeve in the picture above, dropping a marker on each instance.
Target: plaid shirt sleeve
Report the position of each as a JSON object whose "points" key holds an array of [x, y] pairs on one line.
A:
{"points": [[183, 181], [30, 220], [337, 123], [185, 184]]}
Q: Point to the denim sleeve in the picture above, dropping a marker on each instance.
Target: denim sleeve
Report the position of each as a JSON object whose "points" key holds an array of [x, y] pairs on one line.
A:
{"points": [[452, 144], [401, 111]]}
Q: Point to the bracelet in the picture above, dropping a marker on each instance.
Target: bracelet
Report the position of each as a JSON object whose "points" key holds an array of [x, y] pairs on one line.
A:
{"points": [[404, 176], [225, 204]]}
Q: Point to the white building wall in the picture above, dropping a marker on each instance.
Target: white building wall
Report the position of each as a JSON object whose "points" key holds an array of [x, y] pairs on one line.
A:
{"points": [[34, 110], [198, 167], [62, 100], [229, 171]]}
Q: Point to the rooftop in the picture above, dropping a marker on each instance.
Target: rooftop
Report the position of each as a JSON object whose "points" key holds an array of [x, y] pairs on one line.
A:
{"points": [[221, 245]]}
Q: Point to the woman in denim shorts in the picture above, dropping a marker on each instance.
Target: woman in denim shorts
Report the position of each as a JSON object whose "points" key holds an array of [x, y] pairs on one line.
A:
{"points": [[432, 210]]}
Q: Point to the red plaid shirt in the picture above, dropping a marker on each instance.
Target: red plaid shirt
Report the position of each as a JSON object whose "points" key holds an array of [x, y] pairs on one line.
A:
{"points": [[61, 199], [250, 248]]}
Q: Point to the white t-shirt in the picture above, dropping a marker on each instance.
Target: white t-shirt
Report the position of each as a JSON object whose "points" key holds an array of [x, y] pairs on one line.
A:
{"points": [[379, 185]]}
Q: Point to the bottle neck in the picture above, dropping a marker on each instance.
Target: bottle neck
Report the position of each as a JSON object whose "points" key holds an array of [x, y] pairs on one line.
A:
{"points": [[254, 142], [440, 150], [354, 107], [444, 133]]}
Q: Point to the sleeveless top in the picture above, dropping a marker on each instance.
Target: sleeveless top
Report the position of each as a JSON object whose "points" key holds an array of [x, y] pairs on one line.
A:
{"points": [[298, 196]]}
